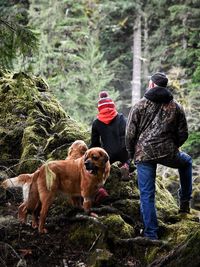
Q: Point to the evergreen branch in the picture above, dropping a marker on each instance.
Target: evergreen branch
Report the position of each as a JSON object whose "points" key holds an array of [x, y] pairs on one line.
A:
{"points": [[16, 39], [7, 24]]}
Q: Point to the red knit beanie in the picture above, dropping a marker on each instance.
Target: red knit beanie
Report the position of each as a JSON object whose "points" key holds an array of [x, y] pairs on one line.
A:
{"points": [[105, 101]]}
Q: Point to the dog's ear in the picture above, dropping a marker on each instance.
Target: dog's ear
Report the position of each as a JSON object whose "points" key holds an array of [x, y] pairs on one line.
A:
{"points": [[69, 151], [106, 157], [83, 149], [85, 156]]}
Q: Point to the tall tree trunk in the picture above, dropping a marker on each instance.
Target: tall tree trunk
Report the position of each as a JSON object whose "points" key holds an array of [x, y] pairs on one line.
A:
{"points": [[136, 81], [184, 40], [145, 51]]}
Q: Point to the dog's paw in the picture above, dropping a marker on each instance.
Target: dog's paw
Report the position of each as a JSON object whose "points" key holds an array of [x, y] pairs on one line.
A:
{"points": [[34, 225], [43, 231]]}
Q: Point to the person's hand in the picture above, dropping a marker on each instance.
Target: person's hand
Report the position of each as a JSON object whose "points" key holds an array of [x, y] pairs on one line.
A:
{"points": [[132, 166]]}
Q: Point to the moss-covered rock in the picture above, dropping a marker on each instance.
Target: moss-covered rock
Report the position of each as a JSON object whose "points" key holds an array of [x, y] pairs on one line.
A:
{"points": [[185, 254], [34, 126], [84, 234], [130, 207], [165, 203], [196, 197], [120, 189], [102, 258], [117, 227]]}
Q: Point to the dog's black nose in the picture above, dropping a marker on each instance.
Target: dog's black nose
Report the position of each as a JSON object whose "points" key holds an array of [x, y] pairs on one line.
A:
{"points": [[87, 163]]}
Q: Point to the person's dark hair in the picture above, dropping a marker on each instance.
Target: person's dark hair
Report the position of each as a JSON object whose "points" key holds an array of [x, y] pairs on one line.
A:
{"points": [[159, 79]]}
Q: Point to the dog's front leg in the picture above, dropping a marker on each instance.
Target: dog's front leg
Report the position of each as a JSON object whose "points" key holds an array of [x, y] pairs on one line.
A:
{"points": [[87, 204]]}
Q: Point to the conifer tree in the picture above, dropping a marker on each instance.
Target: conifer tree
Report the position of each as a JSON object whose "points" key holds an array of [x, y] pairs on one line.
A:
{"points": [[70, 57], [16, 38]]}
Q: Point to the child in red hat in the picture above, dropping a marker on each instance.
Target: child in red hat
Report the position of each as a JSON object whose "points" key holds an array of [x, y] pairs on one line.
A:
{"points": [[108, 132]]}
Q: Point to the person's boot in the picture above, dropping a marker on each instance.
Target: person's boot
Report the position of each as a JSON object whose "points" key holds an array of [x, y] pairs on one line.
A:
{"points": [[184, 207]]}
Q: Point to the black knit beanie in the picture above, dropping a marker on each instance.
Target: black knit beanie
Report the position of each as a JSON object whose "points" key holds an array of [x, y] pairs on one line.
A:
{"points": [[159, 79]]}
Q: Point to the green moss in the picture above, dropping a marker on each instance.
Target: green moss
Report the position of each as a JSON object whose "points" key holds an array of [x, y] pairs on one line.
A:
{"points": [[165, 202], [102, 258], [83, 234], [152, 254], [34, 126], [192, 145], [196, 197], [41, 84], [117, 227], [121, 189], [179, 231], [130, 207], [185, 254]]}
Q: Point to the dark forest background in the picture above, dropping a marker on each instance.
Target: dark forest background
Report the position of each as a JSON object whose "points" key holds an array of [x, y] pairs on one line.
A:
{"points": [[82, 47]]}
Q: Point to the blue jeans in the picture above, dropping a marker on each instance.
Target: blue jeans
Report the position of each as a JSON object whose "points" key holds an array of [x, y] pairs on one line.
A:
{"points": [[146, 181]]}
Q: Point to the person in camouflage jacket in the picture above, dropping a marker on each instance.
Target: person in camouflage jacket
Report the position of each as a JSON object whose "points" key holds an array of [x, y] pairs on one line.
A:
{"points": [[156, 129]]}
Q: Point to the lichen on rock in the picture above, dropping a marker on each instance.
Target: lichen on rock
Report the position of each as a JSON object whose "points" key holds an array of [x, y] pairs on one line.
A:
{"points": [[32, 120]]}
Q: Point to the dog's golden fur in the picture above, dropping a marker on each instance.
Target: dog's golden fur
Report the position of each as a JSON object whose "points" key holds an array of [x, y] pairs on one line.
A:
{"points": [[80, 177], [77, 149], [27, 181], [75, 177]]}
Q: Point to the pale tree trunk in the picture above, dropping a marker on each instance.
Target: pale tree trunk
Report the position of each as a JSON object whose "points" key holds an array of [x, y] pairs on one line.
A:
{"points": [[145, 58], [184, 40], [136, 82]]}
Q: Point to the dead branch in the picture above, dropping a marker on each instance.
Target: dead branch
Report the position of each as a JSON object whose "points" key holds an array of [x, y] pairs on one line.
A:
{"points": [[80, 217], [141, 241], [7, 246], [112, 210]]}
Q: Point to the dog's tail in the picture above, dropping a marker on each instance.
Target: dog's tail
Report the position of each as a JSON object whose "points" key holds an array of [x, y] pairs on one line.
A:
{"points": [[50, 176], [17, 181]]}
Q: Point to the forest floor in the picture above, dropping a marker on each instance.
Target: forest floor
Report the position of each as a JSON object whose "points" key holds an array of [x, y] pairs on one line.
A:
{"points": [[23, 246]]}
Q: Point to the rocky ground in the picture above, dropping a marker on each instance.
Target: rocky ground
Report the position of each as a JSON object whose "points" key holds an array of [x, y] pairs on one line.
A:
{"points": [[22, 246], [74, 239], [113, 239]]}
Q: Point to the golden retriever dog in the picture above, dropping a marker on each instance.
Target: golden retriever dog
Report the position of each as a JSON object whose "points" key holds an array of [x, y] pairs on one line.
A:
{"points": [[77, 149], [80, 177], [31, 203], [76, 178]]}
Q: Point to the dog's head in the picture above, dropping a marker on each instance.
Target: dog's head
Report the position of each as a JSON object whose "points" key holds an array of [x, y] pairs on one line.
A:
{"points": [[95, 160], [77, 150]]}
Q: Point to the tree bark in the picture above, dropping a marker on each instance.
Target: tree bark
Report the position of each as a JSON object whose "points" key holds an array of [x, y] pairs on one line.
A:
{"points": [[136, 80], [145, 51]]}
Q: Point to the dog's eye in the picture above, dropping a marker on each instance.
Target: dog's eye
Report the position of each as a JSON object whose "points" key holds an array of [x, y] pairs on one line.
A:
{"points": [[94, 157]]}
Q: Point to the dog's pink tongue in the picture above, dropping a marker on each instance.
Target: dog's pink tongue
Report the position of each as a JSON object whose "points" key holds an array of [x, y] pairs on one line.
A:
{"points": [[89, 171]]}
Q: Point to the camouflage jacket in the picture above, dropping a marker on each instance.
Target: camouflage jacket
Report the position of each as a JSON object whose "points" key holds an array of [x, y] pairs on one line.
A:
{"points": [[156, 126]]}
